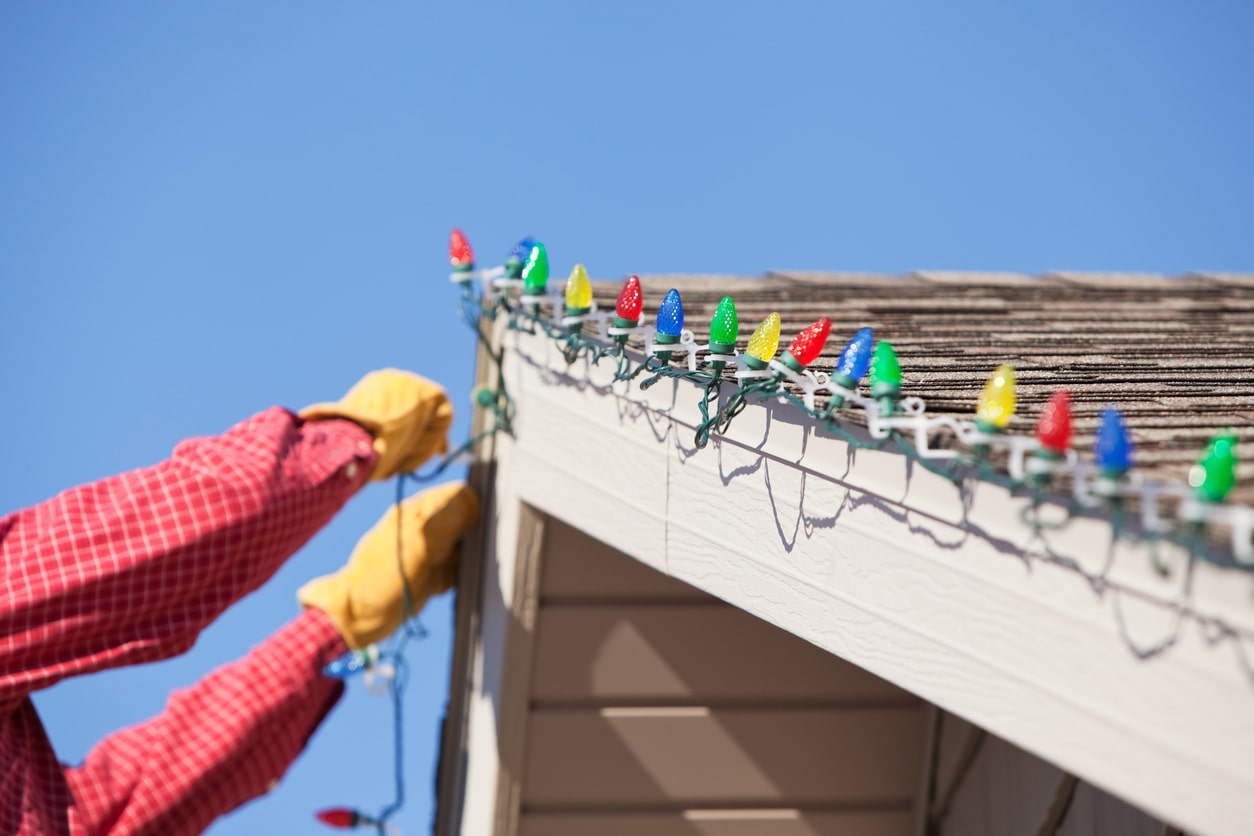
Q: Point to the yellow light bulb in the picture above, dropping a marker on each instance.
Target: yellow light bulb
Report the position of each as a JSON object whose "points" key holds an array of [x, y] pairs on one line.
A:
{"points": [[765, 341], [997, 401], [578, 290]]}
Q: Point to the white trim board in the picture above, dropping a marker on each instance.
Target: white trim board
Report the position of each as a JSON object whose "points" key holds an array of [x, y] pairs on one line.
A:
{"points": [[943, 592]]}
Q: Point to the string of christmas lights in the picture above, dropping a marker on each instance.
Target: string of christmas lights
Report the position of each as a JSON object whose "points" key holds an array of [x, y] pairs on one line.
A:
{"points": [[384, 669], [1033, 463]]}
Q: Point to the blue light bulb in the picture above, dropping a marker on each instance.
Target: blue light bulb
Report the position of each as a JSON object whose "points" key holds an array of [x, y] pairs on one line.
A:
{"points": [[518, 257], [352, 662], [522, 249], [670, 317], [1113, 449], [855, 359]]}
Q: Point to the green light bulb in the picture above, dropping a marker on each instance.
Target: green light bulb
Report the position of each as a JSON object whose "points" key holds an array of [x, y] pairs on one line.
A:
{"points": [[1216, 473], [885, 370], [725, 327], [535, 273]]}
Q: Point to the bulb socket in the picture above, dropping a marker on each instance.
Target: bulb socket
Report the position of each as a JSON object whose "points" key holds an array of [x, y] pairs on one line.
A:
{"points": [[664, 339], [884, 390], [791, 362]]}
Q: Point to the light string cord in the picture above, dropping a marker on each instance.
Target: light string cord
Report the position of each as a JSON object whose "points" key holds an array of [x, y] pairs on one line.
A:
{"points": [[502, 410]]}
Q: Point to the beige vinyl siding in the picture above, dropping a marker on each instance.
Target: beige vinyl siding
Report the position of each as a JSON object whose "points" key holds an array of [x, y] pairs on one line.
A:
{"points": [[657, 709], [689, 653], [1006, 790], [781, 822]]}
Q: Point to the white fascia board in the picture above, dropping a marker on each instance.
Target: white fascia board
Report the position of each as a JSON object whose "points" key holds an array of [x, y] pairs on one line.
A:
{"points": [[940, 590]]}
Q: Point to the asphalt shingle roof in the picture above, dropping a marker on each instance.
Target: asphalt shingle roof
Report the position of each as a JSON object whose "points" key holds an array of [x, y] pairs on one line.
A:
{"points": [[1174, 354]]}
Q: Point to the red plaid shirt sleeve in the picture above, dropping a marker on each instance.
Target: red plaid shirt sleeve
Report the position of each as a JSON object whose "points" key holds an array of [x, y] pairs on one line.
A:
{"points": [[218, 744], [130, 569]]}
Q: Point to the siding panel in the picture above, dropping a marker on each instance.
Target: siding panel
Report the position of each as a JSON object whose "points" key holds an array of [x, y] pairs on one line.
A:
{"points": [[703, 757], [1008, 790], [718, 823], [689, 653], [578, 567]]}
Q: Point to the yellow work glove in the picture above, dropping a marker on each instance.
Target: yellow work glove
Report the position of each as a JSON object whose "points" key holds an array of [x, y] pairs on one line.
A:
{"points": [[366, 599], [408, 416]]}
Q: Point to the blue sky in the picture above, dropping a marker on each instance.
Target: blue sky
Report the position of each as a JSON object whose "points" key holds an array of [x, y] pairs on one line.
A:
{"points": [[209, 209]]}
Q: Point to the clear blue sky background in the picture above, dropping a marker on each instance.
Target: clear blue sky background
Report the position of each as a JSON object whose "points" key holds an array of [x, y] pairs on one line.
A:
{"points": [[207, 209]]}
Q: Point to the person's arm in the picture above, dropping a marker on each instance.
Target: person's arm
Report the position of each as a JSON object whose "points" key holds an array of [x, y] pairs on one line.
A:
{"points": [[233, 735], [224, 741], [131, 568]]}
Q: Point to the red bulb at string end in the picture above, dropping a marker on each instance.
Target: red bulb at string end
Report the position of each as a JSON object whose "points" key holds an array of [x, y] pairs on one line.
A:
{"points": [[1053, 429], [808, 344], [460, 255], [630, 301], [340, 817]]}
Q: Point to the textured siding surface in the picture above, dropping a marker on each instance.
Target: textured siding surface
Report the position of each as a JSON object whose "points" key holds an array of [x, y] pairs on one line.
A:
{"points": [[658, 709], [1175, 354], [1004, 789]]}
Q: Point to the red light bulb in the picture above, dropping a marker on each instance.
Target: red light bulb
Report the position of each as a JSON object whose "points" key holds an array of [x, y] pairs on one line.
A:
{"points": [[1054, 428], [340, 817], [459, 253], [630, 301], [808, 344]]}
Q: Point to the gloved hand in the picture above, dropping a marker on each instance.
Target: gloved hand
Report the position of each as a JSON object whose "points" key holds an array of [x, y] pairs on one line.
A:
{"points": [[408, 416], [366, 599]]}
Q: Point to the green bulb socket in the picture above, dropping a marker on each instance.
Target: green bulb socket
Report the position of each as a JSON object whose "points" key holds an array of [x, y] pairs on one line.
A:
{"points": [[484, 397], [619, 322], [722, 348], [576, 311], [791, 362], [464, 273], [664, 339], [845, 382], [883, 389], [887, 394], [754, 363], [513, 269], [987, 427], [1045, 455]]}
